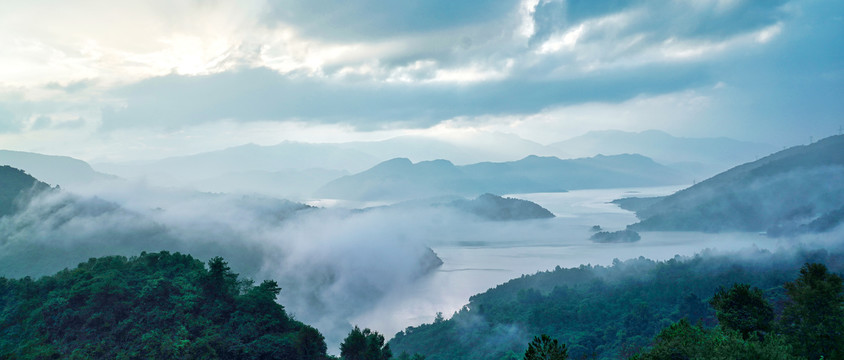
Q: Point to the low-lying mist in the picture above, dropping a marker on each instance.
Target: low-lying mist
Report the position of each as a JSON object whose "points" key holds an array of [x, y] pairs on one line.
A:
{"points": [[338, 267], [332, 264]]}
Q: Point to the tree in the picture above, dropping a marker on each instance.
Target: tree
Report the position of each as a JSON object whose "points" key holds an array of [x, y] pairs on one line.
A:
{"points": [[364, 345], [220, 280], [693, 308], [683, 340], [813, 319], [743, 309], [156, 306], [311, 343], [544, 348], [406, 356]]}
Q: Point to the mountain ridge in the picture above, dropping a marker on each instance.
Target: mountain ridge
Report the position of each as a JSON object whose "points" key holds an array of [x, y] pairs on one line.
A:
{"points": [[400, 179], [778, 193]]}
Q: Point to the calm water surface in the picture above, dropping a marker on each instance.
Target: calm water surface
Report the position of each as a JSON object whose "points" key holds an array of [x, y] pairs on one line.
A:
{"points": [[481, 255]]}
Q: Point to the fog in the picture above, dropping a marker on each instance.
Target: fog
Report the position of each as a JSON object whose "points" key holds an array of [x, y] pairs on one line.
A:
{"points": [[331, 263], [337, 266], [480, 255]]}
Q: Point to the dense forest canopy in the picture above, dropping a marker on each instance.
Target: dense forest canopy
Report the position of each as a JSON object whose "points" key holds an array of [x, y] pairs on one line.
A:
{"points": [[153, 306], [606, 312]]}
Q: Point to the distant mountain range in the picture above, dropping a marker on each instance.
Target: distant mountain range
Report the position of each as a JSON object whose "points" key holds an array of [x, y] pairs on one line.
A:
{"points": [[54, 170], [702, 157], [800, 189], [296, 170], [400, 179], [240, 159], [291, 184], [481, 146]]}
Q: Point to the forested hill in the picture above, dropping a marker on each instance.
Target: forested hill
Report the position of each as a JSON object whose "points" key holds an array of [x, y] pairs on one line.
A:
{"points": [[16, 186], [602, 312], [800, 189], [154, 306]]}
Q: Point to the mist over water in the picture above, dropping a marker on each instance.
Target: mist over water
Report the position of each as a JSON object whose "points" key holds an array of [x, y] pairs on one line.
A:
{"points": [[338, 266], [480, 255]]}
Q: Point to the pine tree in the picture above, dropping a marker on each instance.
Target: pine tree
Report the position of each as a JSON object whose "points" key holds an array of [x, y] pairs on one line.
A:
{"points": [[544, 348]]}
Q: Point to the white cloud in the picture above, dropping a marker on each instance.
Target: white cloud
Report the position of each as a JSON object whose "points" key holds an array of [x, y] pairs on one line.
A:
{"points": [[562, 41], [51, 45], [675, 113], [527, 9]]}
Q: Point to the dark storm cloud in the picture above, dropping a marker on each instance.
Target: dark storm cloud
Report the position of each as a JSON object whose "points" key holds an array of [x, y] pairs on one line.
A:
{"points": [[262, 94]]}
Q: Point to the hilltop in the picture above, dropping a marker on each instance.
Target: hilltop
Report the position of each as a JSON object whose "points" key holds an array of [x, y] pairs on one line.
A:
{"points": [[800, 189], [55, 170], [16, 188]]}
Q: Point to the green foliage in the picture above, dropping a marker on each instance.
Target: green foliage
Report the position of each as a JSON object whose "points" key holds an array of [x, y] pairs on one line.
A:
{"points": [[683, 340], [613, 312], [544, 348], [365, 345], [154, 306], [406, 356], [813, 319], [743, 309]]}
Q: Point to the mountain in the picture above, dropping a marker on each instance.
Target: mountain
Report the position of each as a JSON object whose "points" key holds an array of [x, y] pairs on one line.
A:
{"points": [[16, 187], [702, 157], [152, 306], [477, 147], [55, 170], [294, 169], [288, 184], [287, 155], [400, 179], [798, 188]]}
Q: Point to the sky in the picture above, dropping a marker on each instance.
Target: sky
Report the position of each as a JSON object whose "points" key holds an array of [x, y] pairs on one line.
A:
{"points": [[126, 80]]}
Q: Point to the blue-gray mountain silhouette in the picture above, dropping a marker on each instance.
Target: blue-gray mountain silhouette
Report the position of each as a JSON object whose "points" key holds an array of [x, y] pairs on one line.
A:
{"points": [[400, 179], [795, 190]]}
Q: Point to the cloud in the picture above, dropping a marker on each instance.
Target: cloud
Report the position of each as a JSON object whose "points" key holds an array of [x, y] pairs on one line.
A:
{"points": [[8, 120], [332, 265], [405, 65], [372, 19], [410, 65], [714, 19], [71, 87], [262, 94]]}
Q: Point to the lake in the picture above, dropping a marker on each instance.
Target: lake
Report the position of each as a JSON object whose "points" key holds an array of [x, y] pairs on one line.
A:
{"points": [[481, 255]]}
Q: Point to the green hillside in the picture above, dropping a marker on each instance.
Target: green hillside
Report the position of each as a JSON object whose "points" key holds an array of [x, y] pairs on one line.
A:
{"points": [[800, 189], [16, 187], [153, 306], [602, 312]]}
